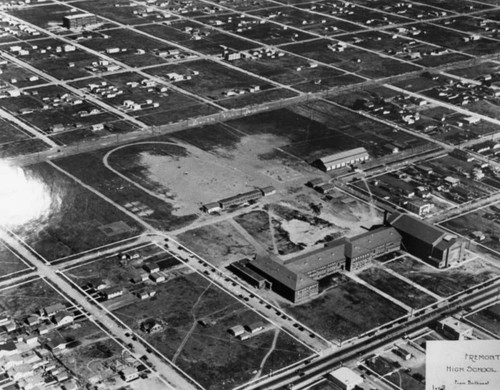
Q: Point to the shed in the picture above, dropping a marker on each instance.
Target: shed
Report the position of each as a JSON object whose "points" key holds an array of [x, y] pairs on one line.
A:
{"points": [[402, 353], [255, 327], [269, 190], [236, 330], [210, 208], [151, 267], [157, 278]]}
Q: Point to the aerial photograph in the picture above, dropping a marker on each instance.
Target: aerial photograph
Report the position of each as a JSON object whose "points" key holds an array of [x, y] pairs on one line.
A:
{"points": [[246, 194]]}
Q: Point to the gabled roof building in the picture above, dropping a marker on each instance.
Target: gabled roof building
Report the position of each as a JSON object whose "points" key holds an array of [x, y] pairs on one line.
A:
{"points": [[296, 279], [63, 318], [53, 309], [342, 159], [430, 243], [291, 285]]}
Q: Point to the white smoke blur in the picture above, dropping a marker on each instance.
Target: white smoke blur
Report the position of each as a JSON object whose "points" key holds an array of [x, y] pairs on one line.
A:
{"points": [[22, 198]]}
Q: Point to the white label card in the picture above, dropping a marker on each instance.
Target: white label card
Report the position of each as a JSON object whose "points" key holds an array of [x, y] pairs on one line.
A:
{"points": [[463, 365]]}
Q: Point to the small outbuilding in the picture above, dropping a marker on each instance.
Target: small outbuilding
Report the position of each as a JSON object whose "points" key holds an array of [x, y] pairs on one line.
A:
{"points": [[236, 330]]}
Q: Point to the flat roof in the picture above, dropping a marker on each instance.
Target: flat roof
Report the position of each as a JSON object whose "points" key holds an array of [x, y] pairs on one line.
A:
{"points": [[347, 376], [81, 15], [455, 324]]}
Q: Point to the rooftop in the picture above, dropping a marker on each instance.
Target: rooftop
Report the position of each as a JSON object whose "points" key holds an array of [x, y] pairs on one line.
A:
{"points": [[80, 15], [306, 262], [368, 241], [417, 228], [347, 376], [344, 155], [293, 280], [455, 324]]}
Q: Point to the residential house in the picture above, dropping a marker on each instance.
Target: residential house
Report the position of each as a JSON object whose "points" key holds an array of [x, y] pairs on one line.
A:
{"points": [[157, 278], [112, 292], [236, 330], [129, 374], [53, 309], [63, 318]]}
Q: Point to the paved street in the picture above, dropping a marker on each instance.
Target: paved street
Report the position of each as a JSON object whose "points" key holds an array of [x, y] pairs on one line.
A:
{"points": [[385, 42], [169, 376]]}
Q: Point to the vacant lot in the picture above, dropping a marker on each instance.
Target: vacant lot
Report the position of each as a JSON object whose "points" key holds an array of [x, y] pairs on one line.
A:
{"points": [[256, 223], [90, 169], [268, 33], [455, 40], [56, 234], [396, 288], [488, 318], [304, 137], [302, 229], [283, 230], [289, 69], [486, 220], [211, 138], [25, 299], [11, 133], [209, 44], [318, 129], [176, 172], [17, 148], [305, 21], [361, 62], [218, 243], [210, 354], [10, 261], [128, 42], [346, 310], [444, 282], [217, 82]]}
